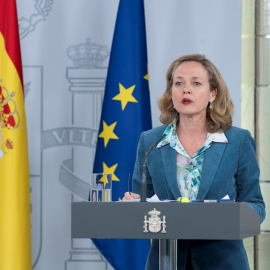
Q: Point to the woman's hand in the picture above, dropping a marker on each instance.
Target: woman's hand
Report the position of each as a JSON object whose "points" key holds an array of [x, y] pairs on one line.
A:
{"points": [[131, 196]]}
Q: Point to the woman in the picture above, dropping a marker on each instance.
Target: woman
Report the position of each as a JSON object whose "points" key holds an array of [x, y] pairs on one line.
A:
{"points": [[202, 157]]}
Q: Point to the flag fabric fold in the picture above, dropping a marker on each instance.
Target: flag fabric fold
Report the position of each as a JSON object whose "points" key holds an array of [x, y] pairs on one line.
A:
{"points": [[15, 227], [125, 114]]}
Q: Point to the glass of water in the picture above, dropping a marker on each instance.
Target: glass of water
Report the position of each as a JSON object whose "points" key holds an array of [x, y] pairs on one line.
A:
{"points": [[101, 187]]}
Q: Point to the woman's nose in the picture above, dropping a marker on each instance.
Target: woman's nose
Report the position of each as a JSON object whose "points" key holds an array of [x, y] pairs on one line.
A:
{"points": [[186, 91]]}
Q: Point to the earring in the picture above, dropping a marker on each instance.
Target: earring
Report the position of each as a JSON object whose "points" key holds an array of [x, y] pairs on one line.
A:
{"points": [[210, 106]]}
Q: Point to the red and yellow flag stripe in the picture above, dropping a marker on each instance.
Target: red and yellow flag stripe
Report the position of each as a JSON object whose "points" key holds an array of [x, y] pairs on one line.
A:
{"points": [[15, 225]]}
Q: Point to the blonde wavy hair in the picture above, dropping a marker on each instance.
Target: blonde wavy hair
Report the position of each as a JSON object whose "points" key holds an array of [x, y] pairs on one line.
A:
{"points": [[219, 117]]}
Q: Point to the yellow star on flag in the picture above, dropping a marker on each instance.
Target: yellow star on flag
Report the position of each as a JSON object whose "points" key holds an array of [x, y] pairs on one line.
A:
{"points": [[146, 77], [104, 180], [125, 95], [108, 133], [111, 170]]}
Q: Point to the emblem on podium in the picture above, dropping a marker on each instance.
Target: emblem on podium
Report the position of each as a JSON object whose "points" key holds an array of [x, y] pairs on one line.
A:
{"points": [[154, 223]]}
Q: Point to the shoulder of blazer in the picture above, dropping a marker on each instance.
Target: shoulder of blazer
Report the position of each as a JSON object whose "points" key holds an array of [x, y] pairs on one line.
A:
{"points": [[235, 134], [152, 135], [156, 130]]}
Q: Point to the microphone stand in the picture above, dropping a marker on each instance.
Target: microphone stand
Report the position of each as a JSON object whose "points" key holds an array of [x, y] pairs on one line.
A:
{"points": [[143, 179]]}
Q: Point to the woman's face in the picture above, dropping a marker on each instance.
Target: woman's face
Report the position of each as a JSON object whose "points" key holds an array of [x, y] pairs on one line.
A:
{"points": [[191, 89]]}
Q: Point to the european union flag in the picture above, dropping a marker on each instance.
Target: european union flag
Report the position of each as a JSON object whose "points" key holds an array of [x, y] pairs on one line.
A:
{"points": [[125, 114]]}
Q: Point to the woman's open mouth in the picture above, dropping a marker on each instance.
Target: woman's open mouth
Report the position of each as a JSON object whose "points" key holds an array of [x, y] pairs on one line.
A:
{"points": [[186, 101]]}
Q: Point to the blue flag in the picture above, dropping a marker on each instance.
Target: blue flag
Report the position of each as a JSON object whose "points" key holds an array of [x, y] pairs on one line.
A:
{"points": [[125, 114]]}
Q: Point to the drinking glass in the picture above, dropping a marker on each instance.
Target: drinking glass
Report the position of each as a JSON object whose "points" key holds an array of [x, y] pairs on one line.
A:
{"points": [[101, 187]]}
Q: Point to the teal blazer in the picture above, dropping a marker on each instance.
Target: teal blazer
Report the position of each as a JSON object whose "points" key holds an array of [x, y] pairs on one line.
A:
{"points": [[228, 169]]}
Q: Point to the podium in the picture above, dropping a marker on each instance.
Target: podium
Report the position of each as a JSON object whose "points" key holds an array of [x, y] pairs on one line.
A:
{"points": [[166, 221]]}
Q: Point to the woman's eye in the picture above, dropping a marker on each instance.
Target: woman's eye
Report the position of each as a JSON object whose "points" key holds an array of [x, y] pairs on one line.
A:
{"points": [[197, 83], [178, 83]]}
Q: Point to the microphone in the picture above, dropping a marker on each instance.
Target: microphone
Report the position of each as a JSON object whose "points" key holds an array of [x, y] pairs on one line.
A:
{"points": [[143, 180]]}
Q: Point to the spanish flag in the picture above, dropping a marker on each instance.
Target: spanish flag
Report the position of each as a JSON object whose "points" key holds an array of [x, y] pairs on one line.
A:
{"points": [[15, 227]]}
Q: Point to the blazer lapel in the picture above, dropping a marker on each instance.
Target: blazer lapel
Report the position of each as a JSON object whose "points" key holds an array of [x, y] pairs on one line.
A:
{"points": [[168, 156], [211, 162]]}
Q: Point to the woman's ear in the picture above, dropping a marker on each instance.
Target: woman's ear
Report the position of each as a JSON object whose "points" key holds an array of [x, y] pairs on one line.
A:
{"points": [[213, 95]]}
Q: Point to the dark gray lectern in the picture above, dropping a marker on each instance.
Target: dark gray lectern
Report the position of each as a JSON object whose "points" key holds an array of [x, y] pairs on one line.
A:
{"points": [[164, 220]]}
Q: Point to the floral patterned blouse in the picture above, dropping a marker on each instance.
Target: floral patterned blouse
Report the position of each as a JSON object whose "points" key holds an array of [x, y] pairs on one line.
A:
{"points": [[189, 169]]}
